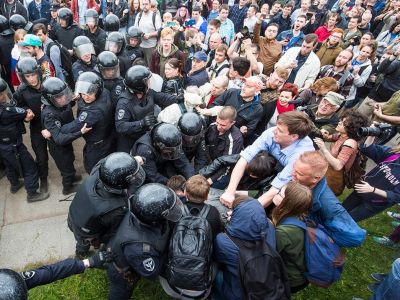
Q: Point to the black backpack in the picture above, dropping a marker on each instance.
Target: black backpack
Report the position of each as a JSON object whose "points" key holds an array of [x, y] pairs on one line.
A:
{"points": [[262, 271], [190, 252], [66, 62]]}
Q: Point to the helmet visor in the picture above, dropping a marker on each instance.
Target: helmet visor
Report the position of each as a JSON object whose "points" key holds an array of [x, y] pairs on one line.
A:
{"points": [[174, 214], [191, 140], [6, 97], [84, 49], [109, 72], [137, 179], [84, 87], [91, 21], [171, 153], [62, 99], [112, 46]]}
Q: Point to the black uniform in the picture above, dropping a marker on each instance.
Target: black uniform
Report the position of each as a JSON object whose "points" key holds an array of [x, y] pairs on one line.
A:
{"points": [[124, 62], [130, 112], [156, 167], [60, 144], [95, 212], [17, 160], [134, 52], [115, 87], [198, 154], [7, 43], [98, 39], [66, 36], [28, 97], [79, 67], [139, 251]]}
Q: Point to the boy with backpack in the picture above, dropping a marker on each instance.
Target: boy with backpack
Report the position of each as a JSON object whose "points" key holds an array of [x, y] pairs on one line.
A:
{"points": [[190, 269]]}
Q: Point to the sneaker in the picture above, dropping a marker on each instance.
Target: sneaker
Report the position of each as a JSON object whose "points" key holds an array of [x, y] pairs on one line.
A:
{"points": [[44, 185], [378, 276], [395, 223], [394, 215], [70, 189], [372, 287], [15, 188], [385, 241], [34, 197]]}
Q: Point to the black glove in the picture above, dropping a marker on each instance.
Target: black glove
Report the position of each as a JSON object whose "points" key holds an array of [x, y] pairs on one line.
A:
{"points": [[149, 121], [100, 258], [180, 98]]}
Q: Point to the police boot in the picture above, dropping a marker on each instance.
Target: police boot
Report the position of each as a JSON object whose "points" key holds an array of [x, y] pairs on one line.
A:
{"points": [[77, 178], [35, 196], [70, 189], [16, 187], [44, 185]]}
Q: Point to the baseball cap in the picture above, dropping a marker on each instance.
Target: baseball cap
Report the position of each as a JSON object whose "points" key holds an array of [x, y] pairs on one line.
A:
{"points": [[55, 7], [200, 55], [334, 98], [31, 40]]}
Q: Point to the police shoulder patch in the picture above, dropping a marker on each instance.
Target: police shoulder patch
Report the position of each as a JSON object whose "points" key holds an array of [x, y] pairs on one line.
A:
{"points": [[118, 90], [58, 124], [149, 264], [27, 275], [20, 110], [121, 114], [83, 116]]}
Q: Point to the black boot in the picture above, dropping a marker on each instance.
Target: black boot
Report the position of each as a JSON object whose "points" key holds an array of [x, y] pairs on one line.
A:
{"points": [[35, 196], [70, 189], [77, 178], [16, 187], [44, 185]]}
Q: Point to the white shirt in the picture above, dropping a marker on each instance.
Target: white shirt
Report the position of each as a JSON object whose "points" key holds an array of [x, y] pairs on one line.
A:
{"points": [[146, 25]]}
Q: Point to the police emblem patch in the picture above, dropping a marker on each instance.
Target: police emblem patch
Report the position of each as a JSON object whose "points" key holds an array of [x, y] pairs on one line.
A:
{"points": [[20, 110], [58, 124], [82, 116], [118, 90], [148, 264], [121, 114], [27, 275]]}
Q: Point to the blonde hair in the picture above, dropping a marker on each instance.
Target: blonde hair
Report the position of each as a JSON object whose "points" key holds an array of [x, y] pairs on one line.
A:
{"points": [[19, 33], [316, 160], [166, 31], [328, 82], [197, 188]]}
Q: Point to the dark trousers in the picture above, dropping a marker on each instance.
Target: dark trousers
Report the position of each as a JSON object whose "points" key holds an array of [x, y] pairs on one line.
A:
{"points": [[15, 166], [360, 210], [93, 153], [119, 287], [39, 146], [64, 158], [82, 244]]}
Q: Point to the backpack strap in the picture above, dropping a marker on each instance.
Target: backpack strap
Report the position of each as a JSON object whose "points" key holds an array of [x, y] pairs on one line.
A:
{"points": [[224, 66], [204, 211], [343, 79], [295, 222]]}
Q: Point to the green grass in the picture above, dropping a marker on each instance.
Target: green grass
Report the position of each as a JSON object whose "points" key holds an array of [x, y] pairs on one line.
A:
{"points": [[360, 263]]}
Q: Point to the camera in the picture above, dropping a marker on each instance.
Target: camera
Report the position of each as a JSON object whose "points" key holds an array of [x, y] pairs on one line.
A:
{"points": [[379, 130], [245, 34]]}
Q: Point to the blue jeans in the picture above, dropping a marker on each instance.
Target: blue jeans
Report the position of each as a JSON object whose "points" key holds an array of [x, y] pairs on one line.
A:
{"points": [[389, 289]]}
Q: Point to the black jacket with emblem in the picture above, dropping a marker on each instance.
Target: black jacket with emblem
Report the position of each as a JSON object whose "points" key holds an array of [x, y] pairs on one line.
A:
{"points": [[11, 124], [130, 113], [28, 97], [79, 67]]}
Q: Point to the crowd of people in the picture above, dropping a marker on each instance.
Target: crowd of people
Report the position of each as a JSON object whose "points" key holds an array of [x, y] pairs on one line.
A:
{"points": [[214, 131]]}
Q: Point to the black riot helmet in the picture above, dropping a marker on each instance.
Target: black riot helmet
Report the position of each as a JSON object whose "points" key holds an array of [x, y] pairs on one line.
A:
{"points": [[111, 23], [91, 16], [12, 285], [136, 79], [120, 171], [28, 65], [115, 42], [5, 93], [155, 202], [56, 92], [65, 14], [191, 128], [167, 139], [82, 45], [134, 32], [5, 26], [108, 65], [19, 22], [89, 83]]}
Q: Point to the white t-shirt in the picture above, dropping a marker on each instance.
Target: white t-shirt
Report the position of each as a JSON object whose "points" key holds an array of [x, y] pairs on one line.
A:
{"points": [[147, 26]]}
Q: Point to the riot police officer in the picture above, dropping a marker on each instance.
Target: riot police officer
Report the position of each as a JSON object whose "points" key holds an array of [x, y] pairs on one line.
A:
{"points": [[18, 284], [193, 142], [108, 66], [100, 202], [139, 246], [111, 23], [7, 43], [116, 44], [84, 52], [67, 30], [56, 113], [19, 22], [16, 158], [133, 39], [162, 150], [96, 35], [28, 96], [134, 115]]}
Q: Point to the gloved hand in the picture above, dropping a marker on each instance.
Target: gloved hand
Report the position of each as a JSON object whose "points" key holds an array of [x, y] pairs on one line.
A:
{"points": [[100, 258], [149, 121], [180, 98]]}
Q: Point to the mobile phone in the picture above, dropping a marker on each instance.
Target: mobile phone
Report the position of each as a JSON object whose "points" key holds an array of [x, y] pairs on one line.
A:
{"points": [[190, 22], [171, 24]]}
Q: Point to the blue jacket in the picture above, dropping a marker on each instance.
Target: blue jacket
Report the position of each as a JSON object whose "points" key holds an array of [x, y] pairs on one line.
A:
{"points": [[329, 212], [247, 223], [198, 78], [34, 14]]}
